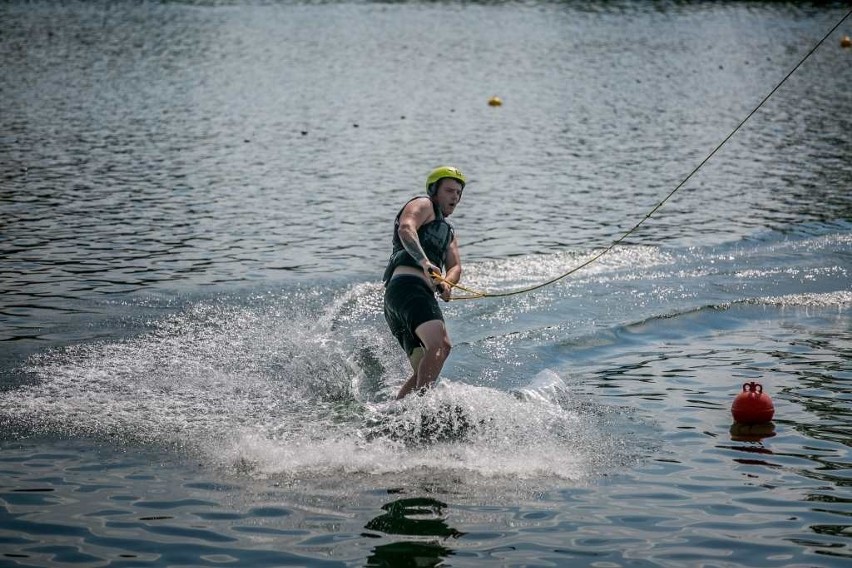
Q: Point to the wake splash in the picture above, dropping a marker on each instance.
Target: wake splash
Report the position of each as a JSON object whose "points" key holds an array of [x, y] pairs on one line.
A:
{"points": [[453, 430], [455, 435], [296, 384], [296, 389]]}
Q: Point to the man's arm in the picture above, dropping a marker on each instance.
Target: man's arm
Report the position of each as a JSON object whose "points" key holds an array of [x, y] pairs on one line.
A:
{"points": [[452, 261], [415, 215]]}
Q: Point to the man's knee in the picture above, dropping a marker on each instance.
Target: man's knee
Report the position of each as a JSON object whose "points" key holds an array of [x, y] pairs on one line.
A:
{"points": [[441, 348], [436, 341]]}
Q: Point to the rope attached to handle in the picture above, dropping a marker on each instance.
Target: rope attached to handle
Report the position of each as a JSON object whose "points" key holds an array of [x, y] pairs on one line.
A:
{"points": [[474, 294]]}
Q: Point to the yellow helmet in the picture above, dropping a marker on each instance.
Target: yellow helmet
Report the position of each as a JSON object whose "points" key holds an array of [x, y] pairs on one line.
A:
{"points": [[440, 173]]}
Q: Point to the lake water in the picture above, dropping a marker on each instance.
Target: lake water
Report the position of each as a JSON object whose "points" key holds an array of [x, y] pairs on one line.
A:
{"points": [[196, 204]]}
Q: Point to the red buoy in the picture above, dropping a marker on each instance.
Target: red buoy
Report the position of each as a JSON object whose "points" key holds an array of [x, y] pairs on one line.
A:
{"points": [[752, 405]]}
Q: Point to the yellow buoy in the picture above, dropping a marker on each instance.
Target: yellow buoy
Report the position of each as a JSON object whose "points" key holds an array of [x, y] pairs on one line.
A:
{"points": [[495, 101], [846, 41]]}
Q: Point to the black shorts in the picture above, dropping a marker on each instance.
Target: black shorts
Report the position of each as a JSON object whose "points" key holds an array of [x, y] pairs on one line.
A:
{"points": [[409, 302]]}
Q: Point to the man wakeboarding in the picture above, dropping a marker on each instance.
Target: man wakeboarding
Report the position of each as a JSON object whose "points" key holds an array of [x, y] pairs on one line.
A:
{"points": [[424, 244]]}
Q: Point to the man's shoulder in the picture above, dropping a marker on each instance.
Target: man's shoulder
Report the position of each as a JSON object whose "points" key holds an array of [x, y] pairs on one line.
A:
{"points": [[418, 204], [420, 200]]}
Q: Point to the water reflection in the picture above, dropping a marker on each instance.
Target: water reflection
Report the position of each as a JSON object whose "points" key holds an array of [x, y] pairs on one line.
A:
{"points": [[751, 432], [408, 554], [416, 516]]}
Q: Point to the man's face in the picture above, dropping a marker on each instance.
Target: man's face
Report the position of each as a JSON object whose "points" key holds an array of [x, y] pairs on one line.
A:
{"points": [[448, 195]]}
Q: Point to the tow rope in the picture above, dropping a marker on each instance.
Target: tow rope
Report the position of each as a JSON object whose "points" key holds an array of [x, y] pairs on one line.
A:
{"points": [[474, 294]]}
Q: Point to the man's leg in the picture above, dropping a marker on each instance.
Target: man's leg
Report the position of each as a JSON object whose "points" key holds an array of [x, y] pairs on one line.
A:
{"points": [[436, 344], [414, 359]]}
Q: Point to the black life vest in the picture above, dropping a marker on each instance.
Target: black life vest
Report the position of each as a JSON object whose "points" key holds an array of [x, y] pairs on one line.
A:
{"points": [[435, 238]]}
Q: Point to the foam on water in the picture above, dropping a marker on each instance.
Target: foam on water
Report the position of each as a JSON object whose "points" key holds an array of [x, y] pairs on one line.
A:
{"points": [[841, 299], [295, 384], [518, 272], [296, 390], [490, 433]]}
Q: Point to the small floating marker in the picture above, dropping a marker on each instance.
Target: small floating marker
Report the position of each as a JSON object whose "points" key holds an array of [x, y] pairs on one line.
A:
{"points": [[355, 125], [752, 405], [845, 42], [304, 132], [495, 101]]}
